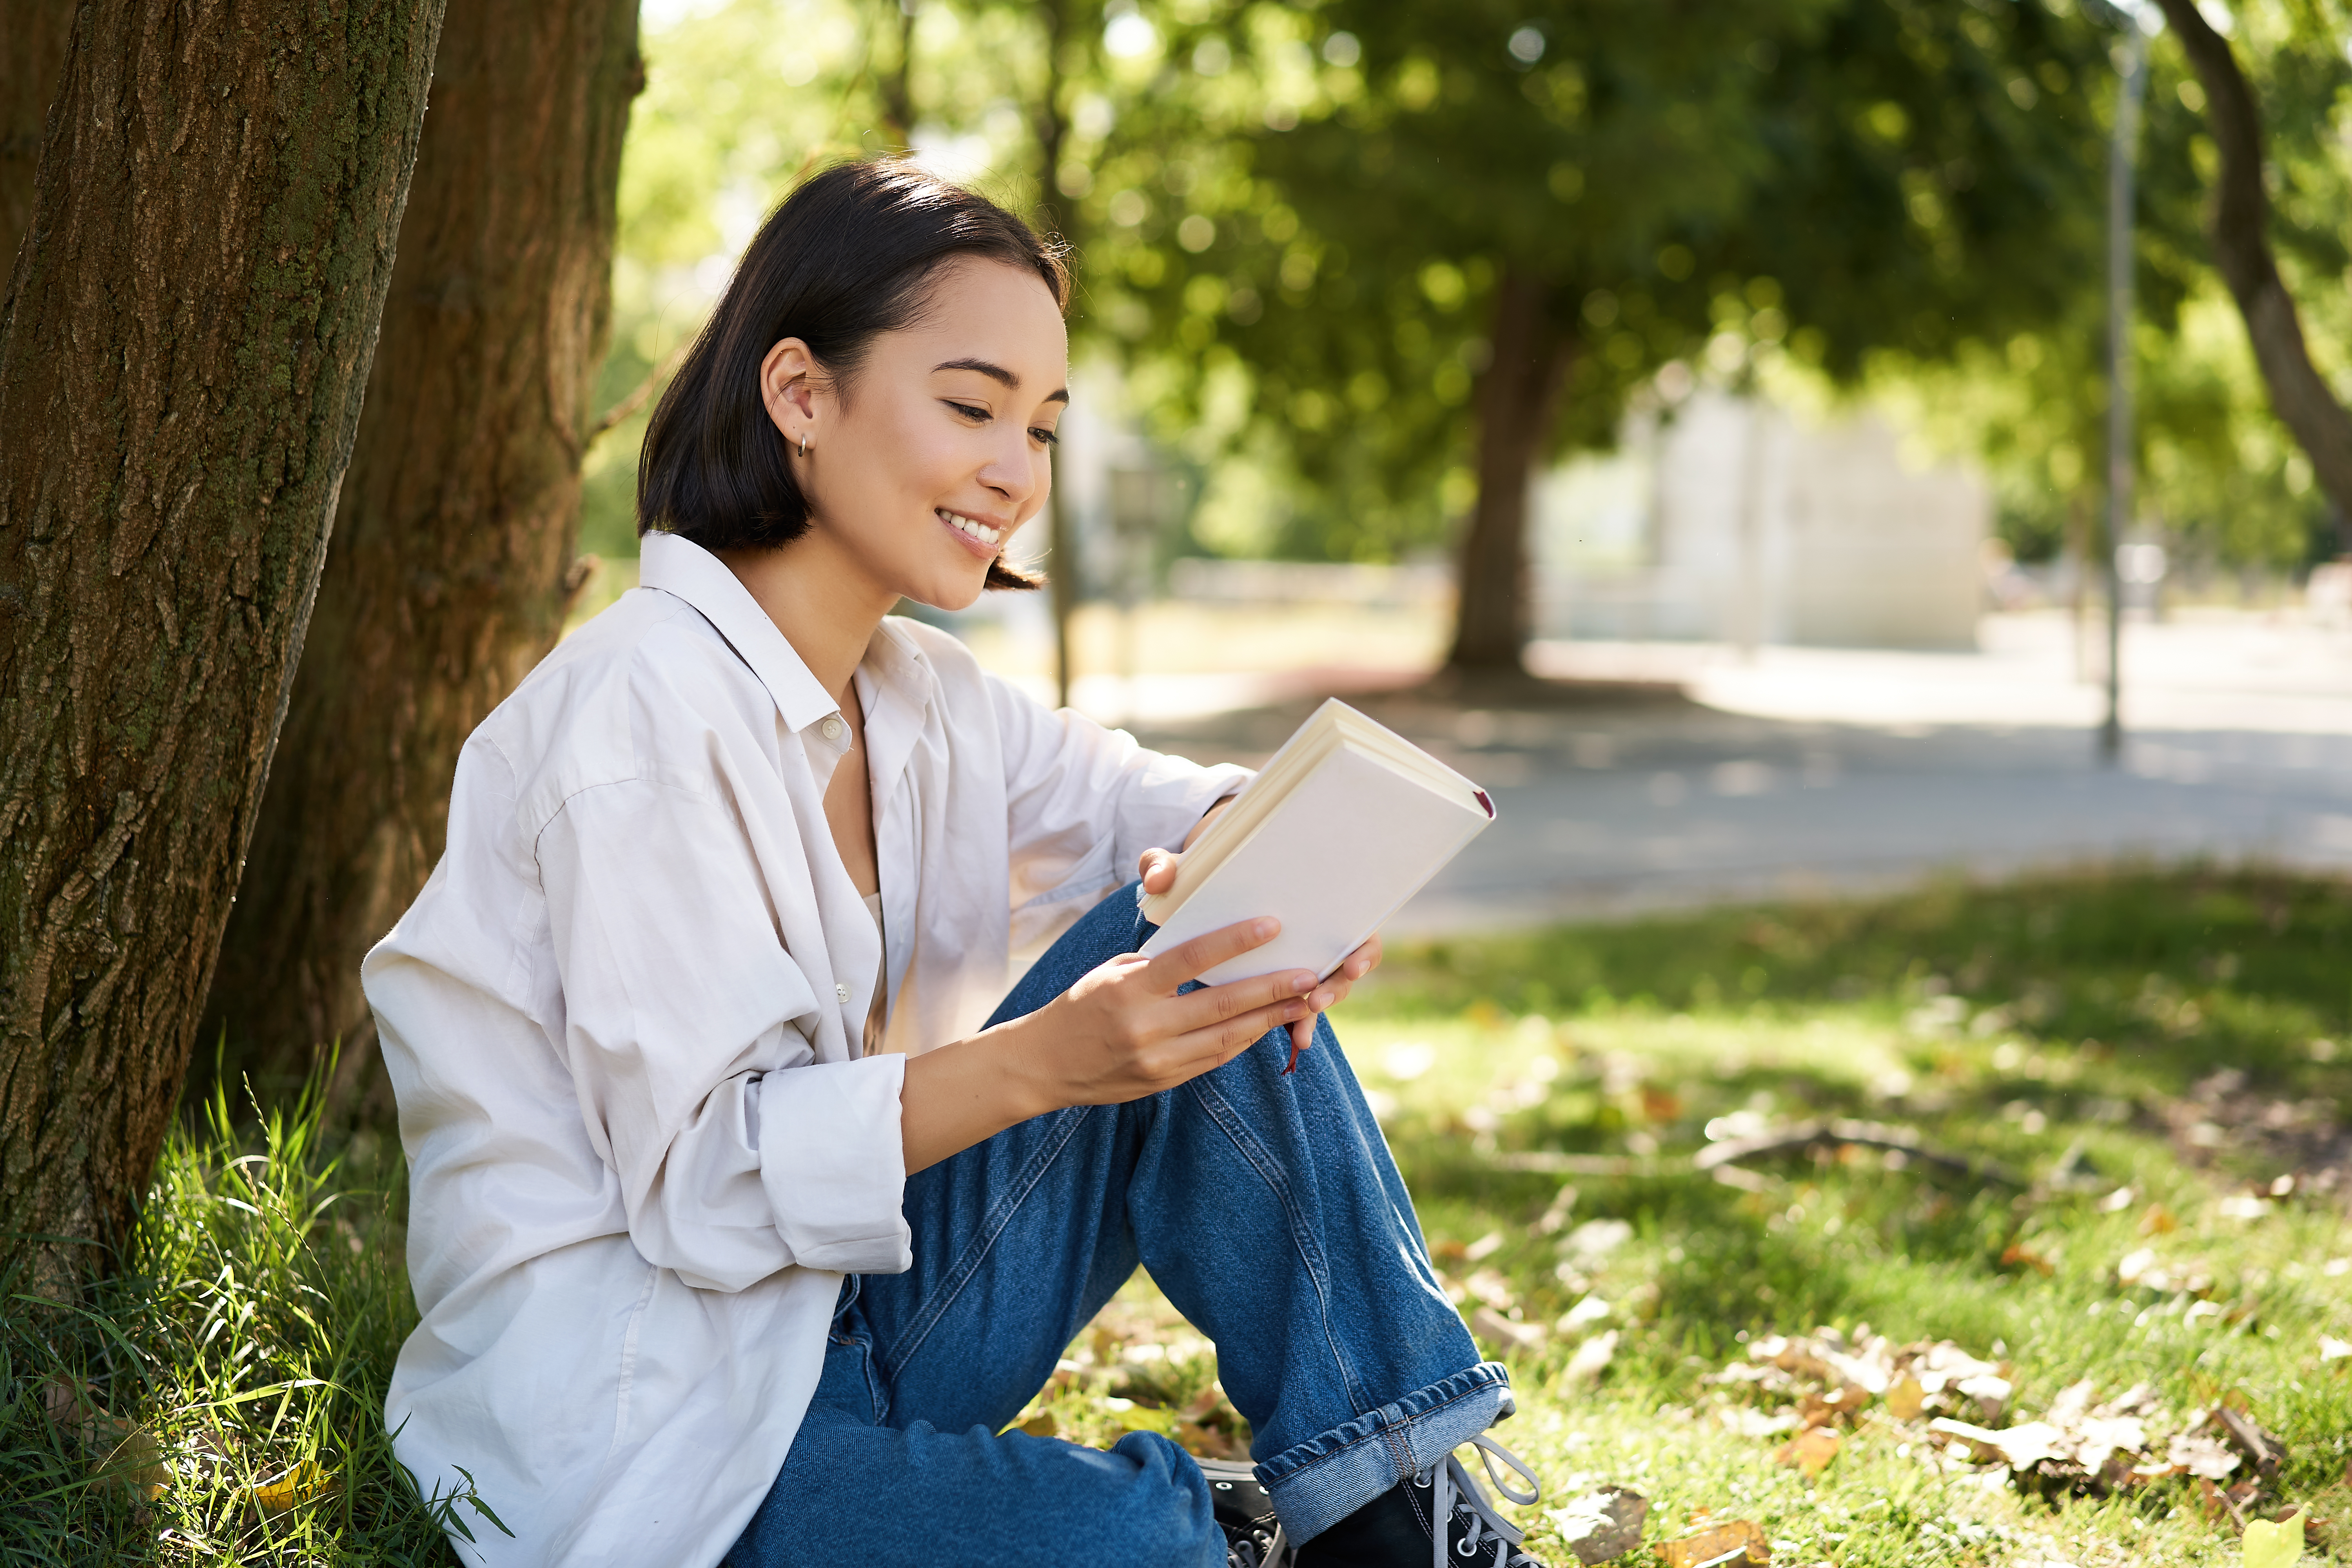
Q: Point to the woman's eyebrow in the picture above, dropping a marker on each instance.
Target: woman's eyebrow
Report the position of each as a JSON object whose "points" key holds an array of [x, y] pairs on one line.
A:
{"points": [[996, 373]]}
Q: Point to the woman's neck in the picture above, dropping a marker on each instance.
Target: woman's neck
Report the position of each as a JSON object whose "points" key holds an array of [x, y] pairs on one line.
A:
{"points": [[824, 604]]}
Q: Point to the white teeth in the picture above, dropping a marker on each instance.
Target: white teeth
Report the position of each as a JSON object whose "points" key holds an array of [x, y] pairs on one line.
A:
{"points": [[978, 529]]}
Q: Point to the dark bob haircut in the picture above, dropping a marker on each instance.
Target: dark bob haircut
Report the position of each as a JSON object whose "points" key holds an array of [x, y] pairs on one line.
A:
{"points": [[847, 257]]}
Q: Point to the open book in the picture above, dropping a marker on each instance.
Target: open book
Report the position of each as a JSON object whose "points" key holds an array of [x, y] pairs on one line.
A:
{"points": [[1347, 822]]}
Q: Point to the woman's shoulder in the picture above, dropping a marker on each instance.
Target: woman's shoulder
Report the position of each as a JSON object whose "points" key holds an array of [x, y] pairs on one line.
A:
{"points": [[641, 686]]}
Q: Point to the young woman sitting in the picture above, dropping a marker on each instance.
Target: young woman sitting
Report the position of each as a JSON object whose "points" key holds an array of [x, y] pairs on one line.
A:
{"points": [[748, 1203]]}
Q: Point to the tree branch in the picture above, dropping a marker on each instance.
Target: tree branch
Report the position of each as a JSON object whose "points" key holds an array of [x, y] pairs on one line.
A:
{"points": [[637, 397], [2301, 396]]}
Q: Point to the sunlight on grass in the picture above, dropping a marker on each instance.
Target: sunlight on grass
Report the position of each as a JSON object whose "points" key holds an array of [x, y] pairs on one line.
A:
{"points": [[2145, 1054], [2111, 1150], [221, 1400]]}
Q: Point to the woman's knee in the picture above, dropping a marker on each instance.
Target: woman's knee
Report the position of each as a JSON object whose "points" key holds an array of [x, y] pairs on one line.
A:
{"points": [[1100, 935]]}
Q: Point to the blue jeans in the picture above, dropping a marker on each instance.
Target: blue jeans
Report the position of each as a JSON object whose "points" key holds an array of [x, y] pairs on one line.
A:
{"points": [[1269, 1211]]}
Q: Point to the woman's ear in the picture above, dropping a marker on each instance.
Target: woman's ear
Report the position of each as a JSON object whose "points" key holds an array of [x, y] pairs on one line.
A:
{"points": [[789, 389]]}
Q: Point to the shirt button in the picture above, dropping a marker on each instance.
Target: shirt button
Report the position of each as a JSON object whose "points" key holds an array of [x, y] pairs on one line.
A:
{"points": [[841, 991], [831, 729]]}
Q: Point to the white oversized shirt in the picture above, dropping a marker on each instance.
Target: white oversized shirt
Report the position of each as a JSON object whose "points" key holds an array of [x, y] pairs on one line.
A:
{"points": [[624, 1023]]}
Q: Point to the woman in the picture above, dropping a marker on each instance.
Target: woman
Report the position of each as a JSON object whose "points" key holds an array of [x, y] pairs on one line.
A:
{"points": [[735, 1234]]}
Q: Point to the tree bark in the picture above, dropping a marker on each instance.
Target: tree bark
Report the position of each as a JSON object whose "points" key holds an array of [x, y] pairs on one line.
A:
{"points": [[183, 352], [33, 35], [1518, 403], [454, 554], [1064, 20], [2299, 393]]}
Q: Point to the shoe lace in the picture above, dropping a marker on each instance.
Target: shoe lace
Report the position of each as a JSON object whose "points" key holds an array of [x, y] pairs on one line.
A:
{"points": [[1259, 1550], [1454, 1489]]}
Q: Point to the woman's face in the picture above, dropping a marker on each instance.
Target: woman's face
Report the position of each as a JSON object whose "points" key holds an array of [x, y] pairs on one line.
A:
{"points": [[922, 469]]}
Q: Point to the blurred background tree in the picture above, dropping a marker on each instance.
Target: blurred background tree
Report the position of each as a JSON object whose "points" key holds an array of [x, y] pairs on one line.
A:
{"points": [[1304, 230]]}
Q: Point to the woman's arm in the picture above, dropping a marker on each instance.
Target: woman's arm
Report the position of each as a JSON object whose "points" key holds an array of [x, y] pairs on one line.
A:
{"points": [[1120, 1034]]}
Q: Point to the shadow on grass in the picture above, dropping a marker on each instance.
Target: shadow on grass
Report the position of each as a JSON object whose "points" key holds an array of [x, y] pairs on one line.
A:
{"points": [[2183, 969]]}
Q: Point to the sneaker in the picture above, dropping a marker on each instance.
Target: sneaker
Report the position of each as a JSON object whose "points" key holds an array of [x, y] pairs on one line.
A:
{"points": [[1252, 1535], [1440, 1516]]}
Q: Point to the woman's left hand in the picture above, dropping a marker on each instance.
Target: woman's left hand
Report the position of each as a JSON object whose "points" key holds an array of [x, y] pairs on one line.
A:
{"points": [[1158, 869]]}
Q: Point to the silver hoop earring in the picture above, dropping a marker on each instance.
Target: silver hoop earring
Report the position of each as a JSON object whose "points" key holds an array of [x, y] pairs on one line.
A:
{"points": [[804, 443]]}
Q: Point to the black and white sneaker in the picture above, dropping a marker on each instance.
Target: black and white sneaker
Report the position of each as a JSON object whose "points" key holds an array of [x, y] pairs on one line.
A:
{"points": [[1440, 1517], [1252, 1535]]}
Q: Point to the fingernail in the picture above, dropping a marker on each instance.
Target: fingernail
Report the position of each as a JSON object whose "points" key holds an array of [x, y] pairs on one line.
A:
{"points": [[1320, 1000], [1303, 981], [1265, 927]]}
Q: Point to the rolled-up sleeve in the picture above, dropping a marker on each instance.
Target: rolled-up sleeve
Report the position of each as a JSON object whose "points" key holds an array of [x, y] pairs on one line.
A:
{"points": [[737, 1154], [1083, 802]]}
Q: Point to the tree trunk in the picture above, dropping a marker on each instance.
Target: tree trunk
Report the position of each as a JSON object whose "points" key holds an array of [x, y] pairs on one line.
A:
{"points": [[2241, 251], [1518, 403], [895, 86], [1064, 23], [453, 560], [182, 353], [33, 35]]}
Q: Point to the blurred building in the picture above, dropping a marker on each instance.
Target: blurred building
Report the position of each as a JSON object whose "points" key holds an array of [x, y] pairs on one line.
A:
{"points": [[1729, 521]]}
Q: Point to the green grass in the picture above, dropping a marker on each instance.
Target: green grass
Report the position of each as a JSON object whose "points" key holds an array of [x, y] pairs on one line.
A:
{"points": [[2019, 1025], [2079, 1021], [220, 1400]]}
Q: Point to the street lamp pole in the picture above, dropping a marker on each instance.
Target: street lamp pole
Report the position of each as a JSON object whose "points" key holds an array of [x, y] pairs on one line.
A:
{"points": [[2133, 66]]}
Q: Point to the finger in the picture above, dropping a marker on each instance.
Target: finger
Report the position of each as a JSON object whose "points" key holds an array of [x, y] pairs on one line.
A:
{"points": [[1221, 1043], [1188, 959], [1212, 1005], [1364, 960], [1302, 1039], [1158, 868]]}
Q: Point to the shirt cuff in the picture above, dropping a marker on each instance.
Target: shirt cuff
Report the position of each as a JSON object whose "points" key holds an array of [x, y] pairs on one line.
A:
{"points": [[833, 1160]]}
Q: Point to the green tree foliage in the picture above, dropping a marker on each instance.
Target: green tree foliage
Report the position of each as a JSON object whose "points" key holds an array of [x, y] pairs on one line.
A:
{"points": [[1812, 179], [1294, 222], [2222, 477]]}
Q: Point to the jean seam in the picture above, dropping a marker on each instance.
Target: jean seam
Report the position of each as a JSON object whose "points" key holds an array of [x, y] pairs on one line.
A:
{"points": [[1387, 1431], [1230, 1122], [977, 1250]]}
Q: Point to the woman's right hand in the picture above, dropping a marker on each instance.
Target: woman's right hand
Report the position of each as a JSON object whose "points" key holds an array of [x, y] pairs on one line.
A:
{"points": [[1122, 1033]]}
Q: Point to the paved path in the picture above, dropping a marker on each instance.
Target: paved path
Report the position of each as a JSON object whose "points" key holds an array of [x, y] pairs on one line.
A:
{"points": [[1810, 772]]}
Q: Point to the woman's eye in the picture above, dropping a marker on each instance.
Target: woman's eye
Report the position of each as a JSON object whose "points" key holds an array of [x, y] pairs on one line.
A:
{"points": [[1045, 437], [977, 415]]}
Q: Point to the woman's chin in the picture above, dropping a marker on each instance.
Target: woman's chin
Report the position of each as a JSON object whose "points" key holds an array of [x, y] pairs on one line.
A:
{"points": [[951, 594]]}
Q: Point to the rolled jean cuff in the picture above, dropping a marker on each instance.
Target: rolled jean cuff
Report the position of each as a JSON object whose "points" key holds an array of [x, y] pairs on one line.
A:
{"points": [[1316, 1484]]}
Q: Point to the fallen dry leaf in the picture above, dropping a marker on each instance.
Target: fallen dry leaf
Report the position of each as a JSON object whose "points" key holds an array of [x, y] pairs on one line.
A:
{"points": [[132, 1459], [1042, 1425], [304, 1481], [1498, 1330], [2019, 1255], [1592, 1358], [1905, 1397], [1742, 1541], [2155, 1220], [1601, 1526], [1811, 1450]]}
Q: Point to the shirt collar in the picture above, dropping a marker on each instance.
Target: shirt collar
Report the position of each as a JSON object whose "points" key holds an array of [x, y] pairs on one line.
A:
{"points": [[678, 566]]}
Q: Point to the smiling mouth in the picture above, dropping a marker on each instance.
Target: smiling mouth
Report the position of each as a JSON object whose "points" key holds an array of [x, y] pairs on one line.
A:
{"points": [[971, 527]]}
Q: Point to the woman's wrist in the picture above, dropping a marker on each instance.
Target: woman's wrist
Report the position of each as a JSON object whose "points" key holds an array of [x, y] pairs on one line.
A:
{"points": [[969, 1090]]}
